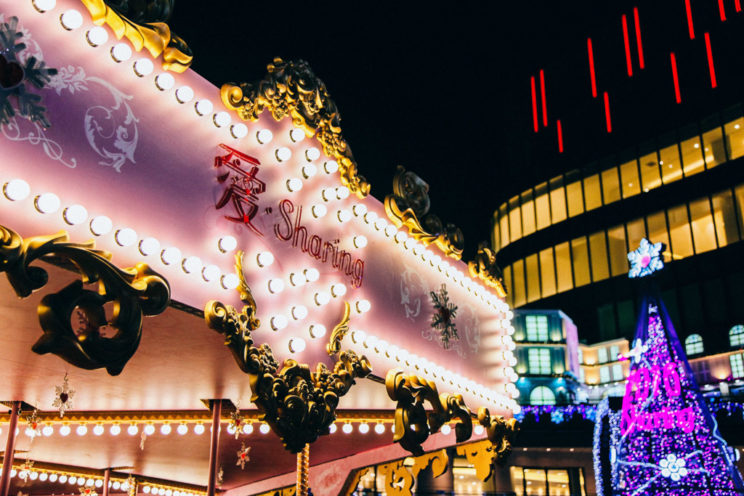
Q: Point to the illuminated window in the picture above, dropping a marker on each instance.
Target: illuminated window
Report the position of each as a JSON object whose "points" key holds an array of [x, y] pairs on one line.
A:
{"points": [[592, 193], [533, 278], [736, 336], [725, 218], [528, 213], [542, 395], [610, 186], [545, 481], [737, 365], [657, 231], [694, 344], [537, 327], [650, 175], [504, 225], [604, 374], [575, 198], [465, 480], [636, 230], [508, 284], [617, 372], [713, 149], [515, 219], [679, 232], [598, 252], [557, 200], [614, 352], [618, 250], [520, 294], [539, 362], [629, 178], [563, 267], [602, 355], [671, 165], [735, 138], [547, 272], [703, 232], [542, 206], [692, 156], [580, 258]]}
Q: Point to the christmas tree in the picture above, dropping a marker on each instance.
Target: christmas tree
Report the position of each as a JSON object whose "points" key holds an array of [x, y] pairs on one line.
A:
{"points": [[664, 441]]}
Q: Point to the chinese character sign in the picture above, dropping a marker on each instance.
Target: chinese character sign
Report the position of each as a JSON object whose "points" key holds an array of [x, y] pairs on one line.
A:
{"points": [[238, 173]]}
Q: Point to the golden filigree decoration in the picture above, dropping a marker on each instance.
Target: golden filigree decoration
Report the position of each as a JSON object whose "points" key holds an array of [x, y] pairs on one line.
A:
{"points": [[413, 423], [135, 292], [350, 486], [339, 331], [479, 455], [484, 268], [144, 26], [291, 89], [500, 432], [409, 206], [399, 479]]}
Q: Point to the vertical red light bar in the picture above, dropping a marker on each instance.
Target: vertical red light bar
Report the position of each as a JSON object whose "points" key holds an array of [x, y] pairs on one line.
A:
{"points": [[560, 135], [542, 98], [721, 10], [608, 120], [639, 44], [626, 41], [592, 74], [737, 5], [675, 76], [711, 68], [690, 27], [534, 102]]}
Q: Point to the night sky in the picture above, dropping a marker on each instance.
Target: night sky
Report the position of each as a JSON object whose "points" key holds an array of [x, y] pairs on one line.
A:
{"points": [[441, 89]]}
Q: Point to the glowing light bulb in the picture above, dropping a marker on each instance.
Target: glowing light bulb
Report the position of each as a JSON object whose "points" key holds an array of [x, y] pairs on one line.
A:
{"points": [[16, 189], [332, 428], [239, 130], [45, 5], [278, 322], [478, 430], [98, 430], [81, 430], [264, 136], [211, 273], [330, 166], [75, 214], [338, 289], [347, 428], [132, 430], [342, 192], [276, 286], [165, 429], [43, 476], [71, 19], [264, 259], [264, 429], [227, 243], [400, 237], [360, 241], [299, 312], [319, 211], [283, 154], [47, 430], [115, 430], [297, 279], [203, 107], [380, 428], [143, 67], [230, 281], [221, 119], [47, 203], [363, 427], [64, 430], [446, 429], [317, 331], [312, 154], [296, 345], [358, 337], [309, 170], [294, 184], [296, 135], [148, 246], [363, 306], [125, 237], [62, 478], [191, 264], [199, 429], [72, 479], [165, 81], [343, 216], [328, 194], [146, 489], [380, 224], [96, 36], [184, 94], [170, 255], [182, 429], [312, 274], [149, 429], [390, 230], [121, 52], [98, 483]]}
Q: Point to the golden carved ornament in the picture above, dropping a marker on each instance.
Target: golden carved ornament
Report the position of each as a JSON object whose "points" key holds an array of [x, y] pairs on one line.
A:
{"points": [[143, 25], [409, 206], [350, 486], [399, 479], [500, 432], [298, 404], [413, 423], [484, 268], [135, 292], [479, 455], [339, 331], [291, 89]]}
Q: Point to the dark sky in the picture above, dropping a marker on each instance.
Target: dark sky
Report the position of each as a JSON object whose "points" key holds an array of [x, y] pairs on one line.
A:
{"points": [[440, 88]]}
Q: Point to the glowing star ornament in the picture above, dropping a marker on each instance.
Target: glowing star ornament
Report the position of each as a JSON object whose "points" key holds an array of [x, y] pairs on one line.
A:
{"points": [[646, 260], [236, 422], [24, 471], [443, 319], [88, 491], [63, 397], [243, 456], [33, 425]]}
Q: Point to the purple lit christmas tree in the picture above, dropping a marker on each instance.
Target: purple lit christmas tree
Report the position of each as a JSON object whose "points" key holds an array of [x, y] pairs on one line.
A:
{"points": [[664, 441]]}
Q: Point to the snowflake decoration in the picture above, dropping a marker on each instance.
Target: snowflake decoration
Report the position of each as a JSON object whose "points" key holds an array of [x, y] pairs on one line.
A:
{"points": [[130, 486], [556, 416], [24, 471], [236, 422], [88, 491], [243, 455], [673, 467], [635, 354], [143, 438], [15, 75], [646, 259], [63, 397], [33, 425], [443, 318]]}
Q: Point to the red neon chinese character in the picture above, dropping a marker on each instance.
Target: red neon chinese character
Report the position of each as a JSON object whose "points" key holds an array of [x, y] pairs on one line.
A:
{"points": [[242, 186]]}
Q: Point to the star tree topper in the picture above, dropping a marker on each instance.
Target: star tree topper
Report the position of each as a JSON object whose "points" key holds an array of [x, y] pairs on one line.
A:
{"points": [[646, 260], [63, 397]]}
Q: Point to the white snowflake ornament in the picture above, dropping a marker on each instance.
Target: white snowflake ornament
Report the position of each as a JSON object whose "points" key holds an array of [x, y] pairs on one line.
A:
{"points": [[63, 397], [673, 467], [645, 260]]}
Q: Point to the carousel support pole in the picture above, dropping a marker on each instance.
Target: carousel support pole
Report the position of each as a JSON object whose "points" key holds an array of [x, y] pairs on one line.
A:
{"points": [[214, 445], [106, 479], [9, 449], [303, 469]]}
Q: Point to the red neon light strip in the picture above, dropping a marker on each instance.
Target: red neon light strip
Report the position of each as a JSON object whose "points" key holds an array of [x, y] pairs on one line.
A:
{"points": [[628, 62], [721, 10], [641, 61], [607, 112], [677, 95], [534, 103], [592, 74], [560, 135], [690, 27], [542, 96], [737, 5], [713, 82]]}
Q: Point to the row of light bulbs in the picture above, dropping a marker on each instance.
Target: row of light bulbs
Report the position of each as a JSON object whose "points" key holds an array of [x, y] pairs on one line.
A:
{"points": [[433, 370]]}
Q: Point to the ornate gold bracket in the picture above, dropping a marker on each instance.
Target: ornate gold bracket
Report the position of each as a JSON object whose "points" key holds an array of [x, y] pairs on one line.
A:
{"points": [[399, 479], [291, 89], [413, 423], [144, 28], [484, 268], [495, 449], [134, 292], [339, 331], [409, 206], [299, 405]]}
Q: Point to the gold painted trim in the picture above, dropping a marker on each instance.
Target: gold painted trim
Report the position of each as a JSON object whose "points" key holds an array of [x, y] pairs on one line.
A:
{"points": [[484, 268], [339, 331]]}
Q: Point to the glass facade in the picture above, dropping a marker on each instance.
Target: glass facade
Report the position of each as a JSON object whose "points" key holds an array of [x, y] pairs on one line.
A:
{"points": [[569, 195], [547, 481], [698, 226]]}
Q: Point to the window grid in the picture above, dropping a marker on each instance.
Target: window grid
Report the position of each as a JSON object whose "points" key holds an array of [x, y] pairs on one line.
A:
{"points": [[736, 336], [694, 344], [539, 362], [737, 365], [542, 395], [537, 328]]}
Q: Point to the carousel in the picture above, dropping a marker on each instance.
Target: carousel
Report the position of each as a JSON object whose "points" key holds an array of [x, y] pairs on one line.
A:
{"points": [[200, 294]]}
